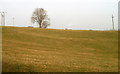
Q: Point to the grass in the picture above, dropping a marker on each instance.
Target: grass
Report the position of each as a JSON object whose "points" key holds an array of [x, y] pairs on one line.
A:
{"points": [[52, 50]]}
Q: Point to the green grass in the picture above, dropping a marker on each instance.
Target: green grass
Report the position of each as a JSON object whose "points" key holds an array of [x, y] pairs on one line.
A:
{"points": [[52, 50]]}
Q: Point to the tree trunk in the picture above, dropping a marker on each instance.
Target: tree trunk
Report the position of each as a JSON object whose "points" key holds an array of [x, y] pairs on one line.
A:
{"points": [[40, 25]]}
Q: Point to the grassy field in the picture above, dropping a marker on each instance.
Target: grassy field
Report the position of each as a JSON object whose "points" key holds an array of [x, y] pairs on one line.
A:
{"points": [[52, 50]]}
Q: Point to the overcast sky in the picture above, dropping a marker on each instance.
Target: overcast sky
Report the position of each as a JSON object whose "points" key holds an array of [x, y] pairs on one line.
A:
{"points": [[74, 14]]}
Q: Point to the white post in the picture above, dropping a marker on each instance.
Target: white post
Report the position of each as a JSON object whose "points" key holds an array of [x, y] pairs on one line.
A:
{"points": [[113, 21], [3, 18]]}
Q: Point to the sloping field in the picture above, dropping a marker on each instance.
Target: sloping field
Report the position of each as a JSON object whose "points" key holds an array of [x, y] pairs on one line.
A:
{"points": [[51, 50]]}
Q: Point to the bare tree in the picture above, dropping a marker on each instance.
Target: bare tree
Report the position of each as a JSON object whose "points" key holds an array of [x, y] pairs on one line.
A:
{"points": [[40, 16]]}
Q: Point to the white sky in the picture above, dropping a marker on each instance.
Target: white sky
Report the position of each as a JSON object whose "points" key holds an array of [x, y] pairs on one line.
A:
{"points": [[75, 14]]}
